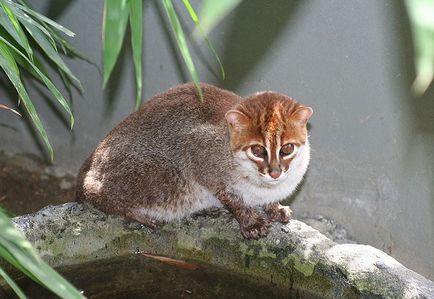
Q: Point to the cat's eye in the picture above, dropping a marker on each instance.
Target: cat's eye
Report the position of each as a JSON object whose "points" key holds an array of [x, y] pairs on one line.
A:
{"points": [[259, 151], [287, 149]]}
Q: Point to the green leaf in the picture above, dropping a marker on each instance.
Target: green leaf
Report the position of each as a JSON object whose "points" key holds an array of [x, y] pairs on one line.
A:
{"points": [[26, 65], [12, 284], [9, 65], [43, 19], [182, 43], [19, 252], [136, 25], [68, 49], [213, 11], [13, 27], [114, 24], [421, 16], [195, 19], [24, 19], [47, 47], [47, 82], [11, 259]]}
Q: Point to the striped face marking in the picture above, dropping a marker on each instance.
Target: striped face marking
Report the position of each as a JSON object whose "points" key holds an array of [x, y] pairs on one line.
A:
{"points": [[269, 128]]}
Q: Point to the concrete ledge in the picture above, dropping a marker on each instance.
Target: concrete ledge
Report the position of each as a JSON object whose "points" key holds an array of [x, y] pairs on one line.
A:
{"points": [[295, 254]]}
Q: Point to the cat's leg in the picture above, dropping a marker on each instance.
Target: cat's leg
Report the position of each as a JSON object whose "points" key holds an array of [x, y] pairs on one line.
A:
{"points": [[144, 219], [277, 213], [252, 225]]}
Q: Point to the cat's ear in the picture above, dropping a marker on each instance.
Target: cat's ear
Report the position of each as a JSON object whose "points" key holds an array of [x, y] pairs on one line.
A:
{"points": [[236, 120], [302, 114]]}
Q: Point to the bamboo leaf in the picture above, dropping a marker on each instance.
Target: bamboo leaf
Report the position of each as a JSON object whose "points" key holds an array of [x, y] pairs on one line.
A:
{"points": [[65, 80], [8, 64], [43, 19], [45, 275], [182, 43], [26, 65], [212, 12], [68, 49], [195, 19], [24, 19], [114, 24], [12, 284], [51, 52], [47, 82], [13, 27], [136, 25], [19, 252]]}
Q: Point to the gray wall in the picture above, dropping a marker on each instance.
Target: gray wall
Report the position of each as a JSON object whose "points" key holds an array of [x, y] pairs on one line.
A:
{"points": [[372, 161]]}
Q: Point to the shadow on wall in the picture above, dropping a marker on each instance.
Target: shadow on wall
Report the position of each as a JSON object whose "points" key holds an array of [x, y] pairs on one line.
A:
{"points": [[11, 96], [256, 25], [56, 8], [421, 108]]}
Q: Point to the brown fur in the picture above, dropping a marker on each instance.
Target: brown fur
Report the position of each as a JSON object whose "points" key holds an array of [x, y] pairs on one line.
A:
{"points": [[161, 157]]}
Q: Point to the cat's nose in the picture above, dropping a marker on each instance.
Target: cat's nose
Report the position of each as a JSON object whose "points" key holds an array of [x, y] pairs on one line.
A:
{"points": [[275, 172]]}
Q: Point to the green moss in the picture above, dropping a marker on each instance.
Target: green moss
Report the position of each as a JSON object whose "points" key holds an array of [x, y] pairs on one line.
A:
{"points": [[195, 254], [187, 242], [245, 250], [303, 266], [264, 253]]}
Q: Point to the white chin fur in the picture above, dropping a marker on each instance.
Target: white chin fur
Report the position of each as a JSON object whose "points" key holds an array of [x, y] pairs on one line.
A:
{"points": [[258, 189]]}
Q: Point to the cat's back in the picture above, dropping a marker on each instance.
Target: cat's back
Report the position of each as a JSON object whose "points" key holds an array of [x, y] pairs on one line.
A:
{"points": [[167, 121], [180, 108]]}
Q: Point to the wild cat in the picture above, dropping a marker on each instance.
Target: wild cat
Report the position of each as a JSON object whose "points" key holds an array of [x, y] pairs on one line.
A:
{"points": [[177, 155]]}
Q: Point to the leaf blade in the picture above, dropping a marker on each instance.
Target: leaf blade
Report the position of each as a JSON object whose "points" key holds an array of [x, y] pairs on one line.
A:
{"points": [[47, 82], [12, 26], [420, 15], [51, 51], [213, 12], [136, 17], [8, 64], [24, 18], [182, 44], [195, 19], [43, 19], [12, 284], [115, 19], [19, 252]]}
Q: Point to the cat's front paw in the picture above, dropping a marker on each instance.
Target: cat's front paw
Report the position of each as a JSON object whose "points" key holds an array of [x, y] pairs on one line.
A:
{"points": [[278, 213], [255, 228]]}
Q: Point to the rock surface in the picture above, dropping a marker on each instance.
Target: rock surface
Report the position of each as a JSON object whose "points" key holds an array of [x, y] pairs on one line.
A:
{"points": [[294, 254]]}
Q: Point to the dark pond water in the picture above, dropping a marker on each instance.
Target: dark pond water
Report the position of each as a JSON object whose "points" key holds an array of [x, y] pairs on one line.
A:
{"points": [[139, 277]]}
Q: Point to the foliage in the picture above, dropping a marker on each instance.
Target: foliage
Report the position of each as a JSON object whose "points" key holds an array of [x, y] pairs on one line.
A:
{"points": [[20, 26], [116, 15], [212, 12], [421, 16], [16, 250]]}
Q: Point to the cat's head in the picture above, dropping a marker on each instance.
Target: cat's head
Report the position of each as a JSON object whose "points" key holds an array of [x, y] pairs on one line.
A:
{"points": [[269, 136]]}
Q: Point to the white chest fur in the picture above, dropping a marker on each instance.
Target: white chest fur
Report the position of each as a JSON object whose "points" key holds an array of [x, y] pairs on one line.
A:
{"points": [[255, 191]]}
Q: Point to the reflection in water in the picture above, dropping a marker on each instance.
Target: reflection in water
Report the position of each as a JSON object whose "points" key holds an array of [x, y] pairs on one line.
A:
{"points": [[138, 277]]}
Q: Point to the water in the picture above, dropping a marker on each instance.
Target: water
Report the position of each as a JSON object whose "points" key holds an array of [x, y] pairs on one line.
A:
{"points": [[139, 277]]}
